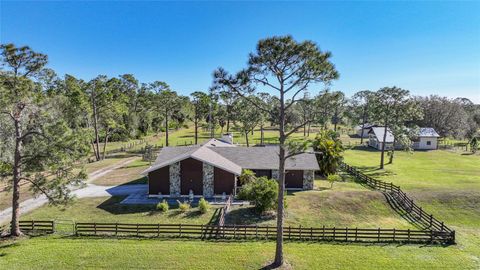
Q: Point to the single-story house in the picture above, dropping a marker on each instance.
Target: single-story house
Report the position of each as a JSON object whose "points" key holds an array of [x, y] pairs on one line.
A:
{"points": [[366, 128], [427, 139], [375, 138], [211, 169]]}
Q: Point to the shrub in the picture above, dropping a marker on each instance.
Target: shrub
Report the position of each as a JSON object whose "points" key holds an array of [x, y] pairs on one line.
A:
{"points": [[262, 193], [183, 206], [246, 177], [203, 206], [332, 178], [162, 206]]}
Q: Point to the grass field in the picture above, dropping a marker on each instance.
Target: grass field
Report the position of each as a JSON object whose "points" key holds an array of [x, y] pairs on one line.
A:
{"points": [[54, 252], [108, 209], [127, 174], [346, 204]]}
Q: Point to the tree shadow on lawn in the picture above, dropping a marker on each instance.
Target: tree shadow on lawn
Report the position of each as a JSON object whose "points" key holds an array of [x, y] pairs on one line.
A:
{"points": [[374, 171], [247, 216], [113, 206], [138, 181]]}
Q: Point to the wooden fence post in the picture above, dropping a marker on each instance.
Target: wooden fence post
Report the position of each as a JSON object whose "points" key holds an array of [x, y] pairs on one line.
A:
{"points": [[408, 237], [378, 234], [394, 234], [356, 233], [346, 234]]}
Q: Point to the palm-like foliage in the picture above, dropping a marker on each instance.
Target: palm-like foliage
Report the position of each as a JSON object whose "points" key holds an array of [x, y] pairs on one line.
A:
{"points": [[329, 150]]}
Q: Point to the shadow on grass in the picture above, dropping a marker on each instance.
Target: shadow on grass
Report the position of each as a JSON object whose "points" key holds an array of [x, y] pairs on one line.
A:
{"points": [[374, 171], [122, 155], [247, 216], [113, 206], [138, 181]]}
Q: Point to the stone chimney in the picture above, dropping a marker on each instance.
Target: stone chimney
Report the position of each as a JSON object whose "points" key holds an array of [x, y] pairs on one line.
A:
{"points": [[227, 138]]}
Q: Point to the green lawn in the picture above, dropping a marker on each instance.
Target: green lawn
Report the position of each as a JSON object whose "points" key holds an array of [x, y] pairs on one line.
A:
{"points": [[347, 204], [55, 252], [108, 209], [126, 174]]}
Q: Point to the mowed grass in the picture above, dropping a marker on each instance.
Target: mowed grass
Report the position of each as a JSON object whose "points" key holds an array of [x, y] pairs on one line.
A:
{"points": [[109, 209], [127, 174], [346, 204], [437, 169], [444, 183], [55, 252]]}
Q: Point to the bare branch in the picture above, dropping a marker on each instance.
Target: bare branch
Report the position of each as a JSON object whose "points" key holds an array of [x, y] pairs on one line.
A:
{"points": [[297, 128]]}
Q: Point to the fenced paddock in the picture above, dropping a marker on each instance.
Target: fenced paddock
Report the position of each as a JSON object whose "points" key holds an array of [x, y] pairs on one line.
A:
{"points": [[252, 232], [401, 201], [244, 232]]}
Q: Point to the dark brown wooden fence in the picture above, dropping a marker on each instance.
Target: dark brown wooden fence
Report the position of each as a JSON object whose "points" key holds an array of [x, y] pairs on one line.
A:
{"points": [[262, 232], [42, 226], [224, 210], [402, 201]]}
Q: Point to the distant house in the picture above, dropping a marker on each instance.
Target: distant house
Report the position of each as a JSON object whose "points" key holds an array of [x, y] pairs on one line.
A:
{"points": [[211, 169], [366, 128], [426, 139], [376, 140]]}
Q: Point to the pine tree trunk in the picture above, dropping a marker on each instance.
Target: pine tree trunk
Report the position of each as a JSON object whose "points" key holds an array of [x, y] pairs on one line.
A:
{"points": [[15, 226], [95, 127], [166, 128], [281, 185], [105, 143], [196, 130], [261, 135], [382, 156]]}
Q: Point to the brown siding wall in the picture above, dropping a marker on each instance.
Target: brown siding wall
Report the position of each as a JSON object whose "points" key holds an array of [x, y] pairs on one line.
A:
{"points": [[223, 181], [159, 181], [260, 173], [191, 176], [294, 179]]}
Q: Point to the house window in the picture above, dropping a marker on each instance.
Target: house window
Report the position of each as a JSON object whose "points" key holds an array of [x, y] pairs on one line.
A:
{"points": [[429, 143]]}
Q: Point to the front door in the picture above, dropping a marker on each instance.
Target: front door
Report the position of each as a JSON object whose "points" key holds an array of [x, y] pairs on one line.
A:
{"points": [[191, 176], [294, 179]]}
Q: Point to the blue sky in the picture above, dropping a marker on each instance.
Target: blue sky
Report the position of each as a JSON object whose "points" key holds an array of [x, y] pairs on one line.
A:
{"points": [[426, 47]]}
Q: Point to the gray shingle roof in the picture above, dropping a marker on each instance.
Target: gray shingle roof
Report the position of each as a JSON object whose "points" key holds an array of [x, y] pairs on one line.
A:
{"points": [[170, 155], [427, 132], [379, 132], [234, 159], [266, 158]]}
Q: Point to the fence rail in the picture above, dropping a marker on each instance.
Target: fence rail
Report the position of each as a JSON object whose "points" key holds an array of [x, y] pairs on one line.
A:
{"points": [[224, 210], [262, 232], [401, 199], [45, 226]]}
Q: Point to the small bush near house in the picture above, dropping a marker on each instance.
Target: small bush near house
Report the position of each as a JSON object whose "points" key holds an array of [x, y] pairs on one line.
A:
{"points": [[203, 206], [246, 177], [332, 178], [183, 206], [262, 193], [162, 206]]}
